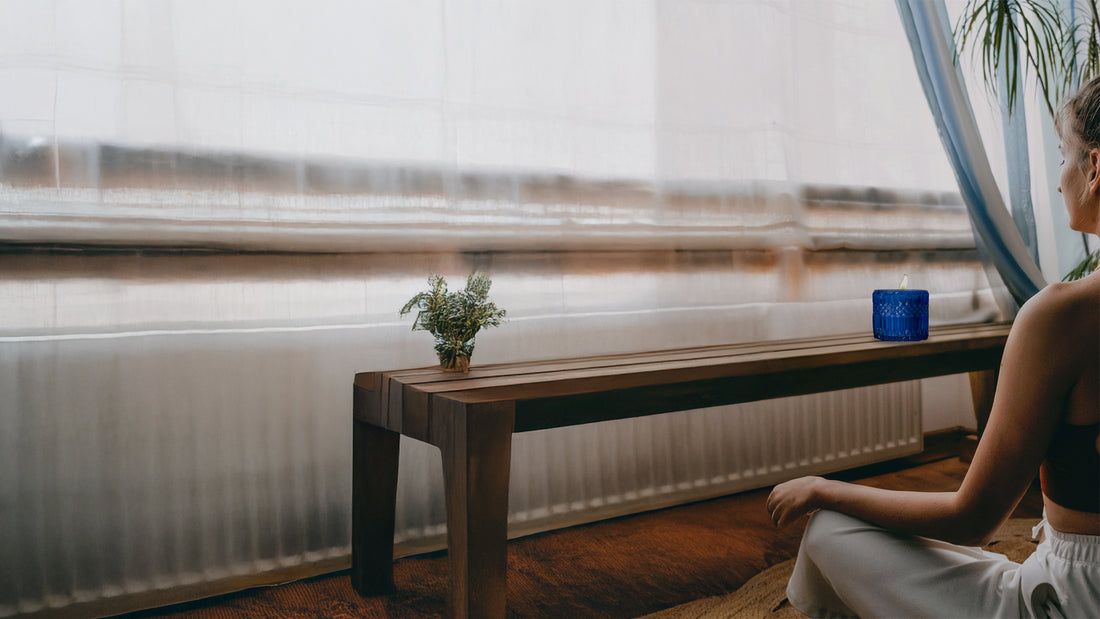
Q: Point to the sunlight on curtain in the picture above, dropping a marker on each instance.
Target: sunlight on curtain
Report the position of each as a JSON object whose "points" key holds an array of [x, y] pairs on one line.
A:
{"points": [[411, 126], [210, 213]]}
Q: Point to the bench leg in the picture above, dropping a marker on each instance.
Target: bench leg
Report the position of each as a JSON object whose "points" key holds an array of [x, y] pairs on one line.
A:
{"points": [[477, 449], [373, 499], [982, 387]]}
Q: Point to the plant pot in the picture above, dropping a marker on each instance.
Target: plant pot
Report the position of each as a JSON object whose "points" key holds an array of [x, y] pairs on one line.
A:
{"points": [[457, 363], [454, 356]]}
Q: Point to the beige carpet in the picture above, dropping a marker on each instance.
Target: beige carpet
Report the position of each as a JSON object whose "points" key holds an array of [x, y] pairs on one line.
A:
{"points": [[765, 594]]}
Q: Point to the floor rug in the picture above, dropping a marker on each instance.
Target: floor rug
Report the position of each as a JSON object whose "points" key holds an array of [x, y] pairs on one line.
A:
{"points": [[765, 595]]}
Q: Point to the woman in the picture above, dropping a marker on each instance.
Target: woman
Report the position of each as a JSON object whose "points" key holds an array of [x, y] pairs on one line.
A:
{"points": [[870, 552]]}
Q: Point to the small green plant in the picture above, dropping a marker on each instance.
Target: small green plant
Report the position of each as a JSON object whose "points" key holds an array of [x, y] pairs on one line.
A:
{"points": [[454, 318]]}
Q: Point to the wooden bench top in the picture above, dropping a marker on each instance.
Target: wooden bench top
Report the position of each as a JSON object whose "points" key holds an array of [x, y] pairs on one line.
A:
{"points": [[548, 394]]}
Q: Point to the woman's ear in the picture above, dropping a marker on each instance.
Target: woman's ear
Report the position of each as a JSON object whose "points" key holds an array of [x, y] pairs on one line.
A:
{"points": [[1092, 172]]}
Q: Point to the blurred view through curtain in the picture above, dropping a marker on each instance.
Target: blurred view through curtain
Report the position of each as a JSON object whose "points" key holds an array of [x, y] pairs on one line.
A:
{"points": [[210, 213], [364, 127]]}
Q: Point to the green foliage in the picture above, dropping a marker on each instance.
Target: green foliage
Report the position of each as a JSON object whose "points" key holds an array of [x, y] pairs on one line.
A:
{"points": [[1034, 35], [454, 318], [1059, 54], [1088, 265]]}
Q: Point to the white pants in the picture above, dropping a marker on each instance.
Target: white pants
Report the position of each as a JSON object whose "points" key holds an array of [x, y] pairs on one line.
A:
{"points": [[849, 568]]}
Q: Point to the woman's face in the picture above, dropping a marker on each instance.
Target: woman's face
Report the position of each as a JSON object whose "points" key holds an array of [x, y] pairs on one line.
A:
{"points": [[1077, 185]]}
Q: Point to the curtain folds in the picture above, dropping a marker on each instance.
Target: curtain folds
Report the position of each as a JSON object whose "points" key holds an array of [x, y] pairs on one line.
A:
{"points": [[611, 126], [1019, 169], [927, 29]]}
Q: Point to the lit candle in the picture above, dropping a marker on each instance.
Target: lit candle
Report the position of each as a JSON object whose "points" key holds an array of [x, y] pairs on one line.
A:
{"points": [[900, 314]]}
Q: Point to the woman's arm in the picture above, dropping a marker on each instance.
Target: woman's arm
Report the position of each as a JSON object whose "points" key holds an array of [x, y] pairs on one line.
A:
{"points": [[931, 514], [1042, 359]]}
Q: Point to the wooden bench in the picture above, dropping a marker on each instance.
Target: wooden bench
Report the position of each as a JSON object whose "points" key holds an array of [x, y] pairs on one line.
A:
{"points": [[471, 418]]}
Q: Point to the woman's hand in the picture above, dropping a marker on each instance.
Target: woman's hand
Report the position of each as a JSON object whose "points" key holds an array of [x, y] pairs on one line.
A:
{"points": [[793, 499]]}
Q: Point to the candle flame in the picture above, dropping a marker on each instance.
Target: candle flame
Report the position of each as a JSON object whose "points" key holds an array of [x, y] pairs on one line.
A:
{"points": [[904, 281]]}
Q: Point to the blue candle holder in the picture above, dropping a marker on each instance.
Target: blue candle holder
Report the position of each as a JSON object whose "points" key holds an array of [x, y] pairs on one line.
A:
{"points": [[900, 315]]}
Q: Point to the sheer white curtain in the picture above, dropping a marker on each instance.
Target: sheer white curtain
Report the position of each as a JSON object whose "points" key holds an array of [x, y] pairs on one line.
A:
{"points": [[360, 126], [210, 213]]}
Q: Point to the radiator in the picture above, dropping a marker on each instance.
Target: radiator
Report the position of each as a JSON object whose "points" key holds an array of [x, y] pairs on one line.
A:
{"points": [[568, 476]]}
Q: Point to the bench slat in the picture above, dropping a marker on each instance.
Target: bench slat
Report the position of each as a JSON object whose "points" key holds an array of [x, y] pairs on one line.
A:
{"points": [[568, 392], [436, 381]]}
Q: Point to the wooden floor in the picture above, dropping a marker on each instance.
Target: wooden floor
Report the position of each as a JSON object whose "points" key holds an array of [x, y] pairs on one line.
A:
{"points": [[624, 567]]}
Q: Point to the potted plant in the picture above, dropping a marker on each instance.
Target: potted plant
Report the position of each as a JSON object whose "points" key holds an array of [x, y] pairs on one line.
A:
{"points": [[1038, 37], [454, 318]]}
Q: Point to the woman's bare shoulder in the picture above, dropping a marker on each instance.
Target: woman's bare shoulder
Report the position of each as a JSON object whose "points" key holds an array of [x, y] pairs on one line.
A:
{"points": [[1071, 298], [1065, 314]]}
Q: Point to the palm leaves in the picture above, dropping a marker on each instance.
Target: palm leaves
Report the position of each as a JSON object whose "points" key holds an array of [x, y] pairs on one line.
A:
{"points": [[454, 318], [1035, 35], [1088, 265], [1059, 51]]}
